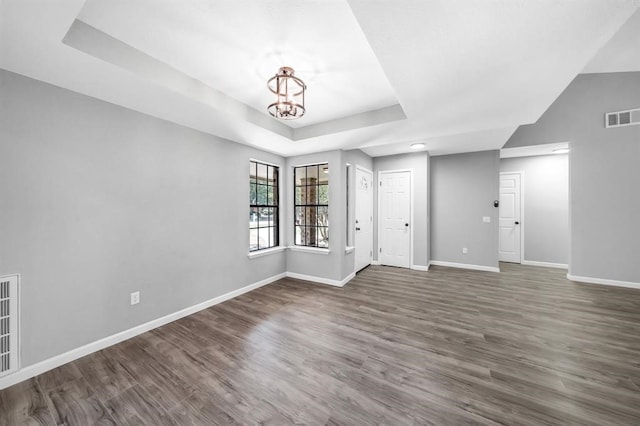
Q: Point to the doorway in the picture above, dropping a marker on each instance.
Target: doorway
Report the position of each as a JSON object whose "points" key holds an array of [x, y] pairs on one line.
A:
{"points": [[510, 218], [364, 218], [395, 217]]}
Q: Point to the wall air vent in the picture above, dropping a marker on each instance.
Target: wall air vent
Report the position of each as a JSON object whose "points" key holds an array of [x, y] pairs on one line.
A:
{"points": [[8, 324], [622, 118]]}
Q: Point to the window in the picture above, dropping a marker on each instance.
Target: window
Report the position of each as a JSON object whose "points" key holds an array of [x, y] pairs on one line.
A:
{"points": [[263, 206], [312, 205]]}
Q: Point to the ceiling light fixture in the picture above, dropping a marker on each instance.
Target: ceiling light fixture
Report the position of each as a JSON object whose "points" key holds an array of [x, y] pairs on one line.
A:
{"points": [[289, 91], [561, 151], [417, 145]]}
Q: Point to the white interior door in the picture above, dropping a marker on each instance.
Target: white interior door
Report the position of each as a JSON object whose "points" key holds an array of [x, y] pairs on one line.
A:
{"points": [[510, 218], [364, 218], [394, 238]]}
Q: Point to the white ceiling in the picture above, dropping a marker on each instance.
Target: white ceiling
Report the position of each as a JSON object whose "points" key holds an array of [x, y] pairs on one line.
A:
{"points": [[621, 53], [465, 73]]}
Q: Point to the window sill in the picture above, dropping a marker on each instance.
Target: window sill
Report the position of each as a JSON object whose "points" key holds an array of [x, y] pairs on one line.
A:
{"points": [[260, 253], [349, 249], [309, 249]]}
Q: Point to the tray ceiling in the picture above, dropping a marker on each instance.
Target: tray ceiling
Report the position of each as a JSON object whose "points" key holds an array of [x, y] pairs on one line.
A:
{"points": [[459, 76]]}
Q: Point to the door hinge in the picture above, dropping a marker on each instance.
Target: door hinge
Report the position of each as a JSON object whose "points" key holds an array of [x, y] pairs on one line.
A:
{"points": [[380, 183], [370, 253], [380, 249]]}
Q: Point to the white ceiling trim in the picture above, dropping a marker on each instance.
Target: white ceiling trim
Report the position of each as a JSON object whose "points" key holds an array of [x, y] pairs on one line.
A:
{"points": [[530, 151]]}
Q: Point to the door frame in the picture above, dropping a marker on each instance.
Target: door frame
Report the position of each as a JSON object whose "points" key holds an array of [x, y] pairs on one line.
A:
{"points": [[522, 222], [411, 197], [355, 211]]}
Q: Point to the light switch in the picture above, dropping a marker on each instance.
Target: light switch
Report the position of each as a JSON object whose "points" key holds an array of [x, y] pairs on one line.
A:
{"points": [[486, 219]]}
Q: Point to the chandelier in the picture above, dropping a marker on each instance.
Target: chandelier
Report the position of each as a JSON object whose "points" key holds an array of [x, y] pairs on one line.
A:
{"points": [[289, 91]]}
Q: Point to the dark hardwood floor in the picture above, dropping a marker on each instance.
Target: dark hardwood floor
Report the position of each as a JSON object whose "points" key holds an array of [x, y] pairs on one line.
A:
{"points": [[394, 346]]}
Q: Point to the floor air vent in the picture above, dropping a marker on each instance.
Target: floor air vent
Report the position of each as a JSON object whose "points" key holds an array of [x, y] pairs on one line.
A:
{"points": [[8, 324], [622, 118]]}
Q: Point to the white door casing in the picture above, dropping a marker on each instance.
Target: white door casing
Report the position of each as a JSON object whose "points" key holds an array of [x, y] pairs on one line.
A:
{"points": [[364, 218], [395, 218], [510, 218]]}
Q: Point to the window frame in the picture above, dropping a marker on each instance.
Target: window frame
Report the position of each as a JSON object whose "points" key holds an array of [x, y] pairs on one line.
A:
{"points": [[315, 206], [272, 203]]}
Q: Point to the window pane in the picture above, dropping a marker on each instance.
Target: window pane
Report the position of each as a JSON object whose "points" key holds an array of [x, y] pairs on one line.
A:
{"points": [[269, 195], [299, 235], [262, 194], [311, 236], [274, 202], [268, 215], [300, 175], [253, 239], [270, 175], [323, 194], [273, 238], [274, 177], [299, 195], [309, 195], [252, 171], [253, 217], [263, 238], [252, 193], [323, 216], [323, 237], [323, 176], [263, 216], [300, 216], [262, 173], [312, 175], [311, 215]]}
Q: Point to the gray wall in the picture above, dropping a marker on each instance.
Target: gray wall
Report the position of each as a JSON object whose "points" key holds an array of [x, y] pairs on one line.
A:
{"points": [[463, 188], [419, 163], [604, 174], [546, 206], [98, 201], [312, 263]]}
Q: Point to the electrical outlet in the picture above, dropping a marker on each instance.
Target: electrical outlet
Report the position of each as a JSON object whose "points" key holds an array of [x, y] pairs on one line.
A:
{"points": [[464, 250], [135, 297]]}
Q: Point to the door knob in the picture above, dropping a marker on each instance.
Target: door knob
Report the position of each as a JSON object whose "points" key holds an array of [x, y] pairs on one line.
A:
{"points": [[517, 223], [357, 229], [406, 224]]}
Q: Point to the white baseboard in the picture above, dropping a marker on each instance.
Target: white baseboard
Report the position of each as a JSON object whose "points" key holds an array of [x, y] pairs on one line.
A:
{"points": [[72, 355], [321, 280], [545, 264], [465, 266], [627, 284], [414, 267], [419, 268]]}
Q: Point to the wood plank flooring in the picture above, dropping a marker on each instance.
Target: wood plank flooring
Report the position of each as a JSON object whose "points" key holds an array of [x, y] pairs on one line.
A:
{"points": [[448, 346]]}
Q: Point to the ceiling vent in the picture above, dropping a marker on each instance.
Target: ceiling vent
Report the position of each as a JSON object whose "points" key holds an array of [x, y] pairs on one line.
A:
{"points": [[622, 118], [8, 324]]}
